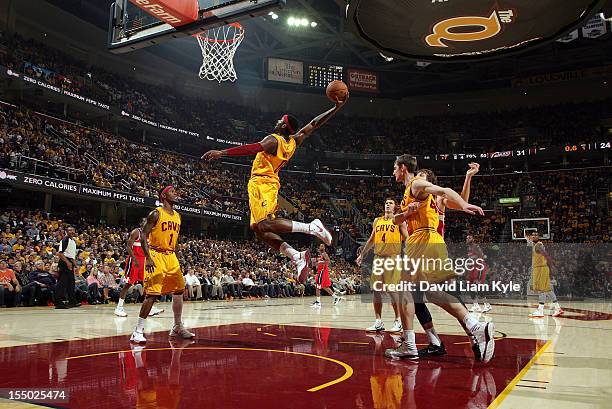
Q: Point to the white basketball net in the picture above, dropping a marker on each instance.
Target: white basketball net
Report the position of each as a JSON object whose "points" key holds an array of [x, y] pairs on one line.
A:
{"points": [[218, 46]]}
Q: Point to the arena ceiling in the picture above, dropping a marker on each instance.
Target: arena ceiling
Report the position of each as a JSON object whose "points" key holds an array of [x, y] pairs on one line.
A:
{"points": [[332, 42]]}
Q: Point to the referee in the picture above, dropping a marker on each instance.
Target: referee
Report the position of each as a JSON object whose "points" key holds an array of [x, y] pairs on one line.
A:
{"points": [[64, 292]]}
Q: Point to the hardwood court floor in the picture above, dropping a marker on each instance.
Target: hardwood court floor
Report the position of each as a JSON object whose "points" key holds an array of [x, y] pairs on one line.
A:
{"points": [[283, 354]]}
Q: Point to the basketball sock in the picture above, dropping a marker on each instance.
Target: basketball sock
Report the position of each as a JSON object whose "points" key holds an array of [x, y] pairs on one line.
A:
{"points": [[299, 227], [541, 306], [542, 298], [409, 338], [141, 324], [120, 303], [289, 251], [433, 337], [177, 309], [318, 299], [470, 322], [556, 305]]}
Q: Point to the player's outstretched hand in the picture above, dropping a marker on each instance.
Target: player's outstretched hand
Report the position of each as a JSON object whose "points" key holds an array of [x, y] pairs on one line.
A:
{"points": [[340, 103], [149, 265], [472, 209], [212, 155], [474, 168]]}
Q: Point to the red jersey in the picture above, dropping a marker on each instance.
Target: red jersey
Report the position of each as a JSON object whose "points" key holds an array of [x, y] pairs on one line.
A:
{"points": [[137, 247], [440, 219]]}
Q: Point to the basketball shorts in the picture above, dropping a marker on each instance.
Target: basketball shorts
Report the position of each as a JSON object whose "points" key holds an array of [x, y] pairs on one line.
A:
{"points": [[388, 276], [263, 199], [478, 275], [540, 279], [134, 273], [322, 279], [427, 257], [167, 276]]}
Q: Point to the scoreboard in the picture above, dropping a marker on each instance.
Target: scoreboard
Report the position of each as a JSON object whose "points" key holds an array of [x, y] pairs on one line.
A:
{"points": [[319, 75]]}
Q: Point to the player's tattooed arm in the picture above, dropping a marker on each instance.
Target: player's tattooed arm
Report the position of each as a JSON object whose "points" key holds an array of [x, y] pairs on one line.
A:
{"points": [[317, 122], [152, 220]]}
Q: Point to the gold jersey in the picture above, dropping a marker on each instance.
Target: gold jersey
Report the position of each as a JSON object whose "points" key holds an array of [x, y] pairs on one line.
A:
{"points": [[387, 238], [426, 216], [268, 165], [165, 233], [538, 260]]}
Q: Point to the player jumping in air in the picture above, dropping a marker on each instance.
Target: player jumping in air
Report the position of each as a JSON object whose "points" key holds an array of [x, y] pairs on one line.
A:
{"points": [[271, 154], [541, 262], [158, 239]]}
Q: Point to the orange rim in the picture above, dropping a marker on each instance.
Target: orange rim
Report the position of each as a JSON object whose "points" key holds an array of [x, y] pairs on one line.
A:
{"points": [[236, 25]]}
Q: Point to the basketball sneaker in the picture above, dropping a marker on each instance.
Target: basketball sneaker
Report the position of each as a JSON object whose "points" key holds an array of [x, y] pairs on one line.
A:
{"points": [[155, 311], [315, 304], [337, 300], [317, 229], [181, 331], [432, 350], [120, 312], [485, 342], [487, 307], [378, 326], [558, 312], [301, 262], [475, 308], [403, 351], [138, 337], [397, 326], [539, 313]]}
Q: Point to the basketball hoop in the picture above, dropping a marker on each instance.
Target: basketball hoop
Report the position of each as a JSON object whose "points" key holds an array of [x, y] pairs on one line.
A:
{"points": [[218, 47]]}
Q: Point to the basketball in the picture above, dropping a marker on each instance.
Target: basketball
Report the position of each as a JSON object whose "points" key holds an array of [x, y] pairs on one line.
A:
{"points": [[336, 90]]}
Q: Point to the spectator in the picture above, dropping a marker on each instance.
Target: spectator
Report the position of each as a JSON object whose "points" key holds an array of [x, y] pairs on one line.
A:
{"points": [[41, 285], [9, 286], [193, 285]]}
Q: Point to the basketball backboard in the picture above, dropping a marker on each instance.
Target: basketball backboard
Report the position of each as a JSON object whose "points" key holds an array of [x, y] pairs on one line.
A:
{"points": [[522, 226], [136, 24]]}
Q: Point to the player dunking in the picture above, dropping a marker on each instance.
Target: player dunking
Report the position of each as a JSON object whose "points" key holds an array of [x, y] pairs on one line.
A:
{"points": [[134, 270], [426, 243], [541, 263], [322, 280], [163, 271], [386, 238], [271, 154]]}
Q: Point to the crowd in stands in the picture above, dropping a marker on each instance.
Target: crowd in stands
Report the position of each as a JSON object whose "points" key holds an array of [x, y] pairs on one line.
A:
{"points": [[475, 133], [214, 269]]}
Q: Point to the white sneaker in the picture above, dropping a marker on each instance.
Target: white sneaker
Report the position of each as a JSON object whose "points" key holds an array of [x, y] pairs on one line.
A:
{"points": [[315, 304], [487, 307], [403, 351], [537, 314], [120, 312], [138, 337], [337, 300], [302, 265], [484, 348], [180, 331], [475, 308], [378, 326], [397, 326], [317, 229], [155, 311]]}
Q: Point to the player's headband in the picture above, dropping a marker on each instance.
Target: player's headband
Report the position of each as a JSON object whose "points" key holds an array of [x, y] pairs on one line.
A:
{"points": [[166, 189], [286, 121]]}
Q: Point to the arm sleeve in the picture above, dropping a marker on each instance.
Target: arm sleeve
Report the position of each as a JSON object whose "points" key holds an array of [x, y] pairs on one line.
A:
{"points": [[245, 150]]}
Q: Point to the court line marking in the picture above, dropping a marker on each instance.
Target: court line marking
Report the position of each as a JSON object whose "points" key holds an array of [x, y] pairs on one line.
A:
{"points": [[272, 335], [504, 394], [348, 370]]}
